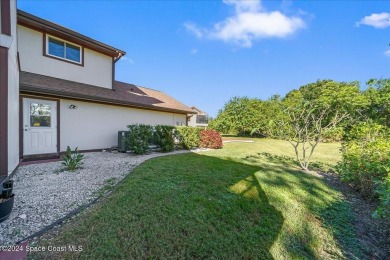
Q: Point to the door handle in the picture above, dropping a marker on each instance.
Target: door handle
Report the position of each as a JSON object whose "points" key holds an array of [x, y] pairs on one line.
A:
{"points": [[26, 129]]}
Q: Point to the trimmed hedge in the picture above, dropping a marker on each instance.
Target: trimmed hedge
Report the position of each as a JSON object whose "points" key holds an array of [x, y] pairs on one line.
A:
{"points": [[141, 137], [164, 137], [210, 139]]}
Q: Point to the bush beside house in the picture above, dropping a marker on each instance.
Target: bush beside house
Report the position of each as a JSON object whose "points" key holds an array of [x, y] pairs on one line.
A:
{"points": [[188, 137], [139, 138], [210, 139], [142, 137], [164, 137]]}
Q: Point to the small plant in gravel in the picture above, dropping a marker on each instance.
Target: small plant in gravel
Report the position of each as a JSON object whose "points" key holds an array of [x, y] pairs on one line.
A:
{"points": [[16, 232], [110, 183], [72, 160]]}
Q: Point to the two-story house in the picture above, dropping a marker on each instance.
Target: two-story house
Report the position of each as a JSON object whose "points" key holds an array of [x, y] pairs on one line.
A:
{"points": [[61, 91]]}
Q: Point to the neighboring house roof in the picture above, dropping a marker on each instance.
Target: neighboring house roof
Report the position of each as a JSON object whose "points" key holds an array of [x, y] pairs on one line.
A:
{"points": [[198, 111], [40, 24], [124, 93]]}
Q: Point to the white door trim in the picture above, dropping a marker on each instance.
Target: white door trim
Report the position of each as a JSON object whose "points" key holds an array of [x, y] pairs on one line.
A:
{"points": [[39, 127]]}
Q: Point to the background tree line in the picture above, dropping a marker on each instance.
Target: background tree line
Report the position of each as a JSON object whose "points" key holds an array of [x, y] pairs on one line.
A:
{"points": [[325, 111]]}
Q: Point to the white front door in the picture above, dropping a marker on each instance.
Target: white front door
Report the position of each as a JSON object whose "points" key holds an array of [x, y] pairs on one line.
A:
{"points": [[39, 126]]}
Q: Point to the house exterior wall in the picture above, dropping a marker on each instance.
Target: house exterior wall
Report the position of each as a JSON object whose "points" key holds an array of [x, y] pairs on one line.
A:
{"points": [[97, 69], [192, 120], [9, 90], [13, 97], [96, 126], [179, 120]]}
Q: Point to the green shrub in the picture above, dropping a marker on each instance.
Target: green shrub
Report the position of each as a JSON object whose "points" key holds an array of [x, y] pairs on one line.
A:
{"points": [[333, 135], [384, 198], [164, 137], [188, 136], [139, 138], [142, 136], [210, 139], [366, 162], [72, 160]]}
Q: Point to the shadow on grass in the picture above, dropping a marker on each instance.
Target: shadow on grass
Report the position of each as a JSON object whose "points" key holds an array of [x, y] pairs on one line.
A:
{"points": [[199, 206], [335, 213], [292, 161]]}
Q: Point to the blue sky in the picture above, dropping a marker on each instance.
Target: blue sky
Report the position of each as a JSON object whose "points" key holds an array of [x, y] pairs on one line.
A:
{"points": [[205, 52]]}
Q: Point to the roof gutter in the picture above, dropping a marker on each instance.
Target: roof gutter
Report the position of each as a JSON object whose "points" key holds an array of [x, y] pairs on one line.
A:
{"points": [[114, 60], [120, 55]]}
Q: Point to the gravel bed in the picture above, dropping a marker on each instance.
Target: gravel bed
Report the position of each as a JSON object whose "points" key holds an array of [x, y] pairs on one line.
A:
{"points": [[45, 192]]}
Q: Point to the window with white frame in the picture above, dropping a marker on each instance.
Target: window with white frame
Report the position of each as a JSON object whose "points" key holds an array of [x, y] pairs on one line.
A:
{"points": [[62, 49]]}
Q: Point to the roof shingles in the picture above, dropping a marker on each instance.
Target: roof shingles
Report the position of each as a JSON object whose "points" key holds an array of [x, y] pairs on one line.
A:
{"points": [[124, 93]]}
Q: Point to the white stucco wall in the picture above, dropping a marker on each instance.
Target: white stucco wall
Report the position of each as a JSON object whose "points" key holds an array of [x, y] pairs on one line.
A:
{"points": [[192, 120], [13, 97], [96, 126], [97, 68]]}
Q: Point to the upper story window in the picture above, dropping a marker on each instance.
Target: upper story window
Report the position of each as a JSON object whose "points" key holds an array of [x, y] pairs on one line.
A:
{"points": [[63, 50]]}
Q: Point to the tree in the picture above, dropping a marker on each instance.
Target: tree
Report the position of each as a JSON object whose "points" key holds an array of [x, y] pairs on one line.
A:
{"points": [[378, 95], [312, 110], [239, 116], [269, 110]]}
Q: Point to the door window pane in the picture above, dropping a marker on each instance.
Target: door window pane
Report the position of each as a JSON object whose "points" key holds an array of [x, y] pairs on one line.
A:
{"points": [[40, 115], [40, 109], [39, 121]]}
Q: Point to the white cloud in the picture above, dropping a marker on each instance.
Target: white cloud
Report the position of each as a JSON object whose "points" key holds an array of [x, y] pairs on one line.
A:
{"points": [[379, 21], [249, 22], [244, 5], [387, 53], [124, 58], [245, 27], [193, 28]]}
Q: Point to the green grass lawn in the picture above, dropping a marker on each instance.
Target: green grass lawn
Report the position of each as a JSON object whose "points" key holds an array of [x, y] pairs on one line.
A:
{"points": [[247, 200], [328, 153]]}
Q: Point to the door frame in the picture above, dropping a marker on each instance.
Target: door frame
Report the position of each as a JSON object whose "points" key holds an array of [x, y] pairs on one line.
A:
{"points": [[21, 129]]}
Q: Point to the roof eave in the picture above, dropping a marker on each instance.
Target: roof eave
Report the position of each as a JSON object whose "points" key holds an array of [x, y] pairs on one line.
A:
{"points": [[35, 22], [33, 90]]}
